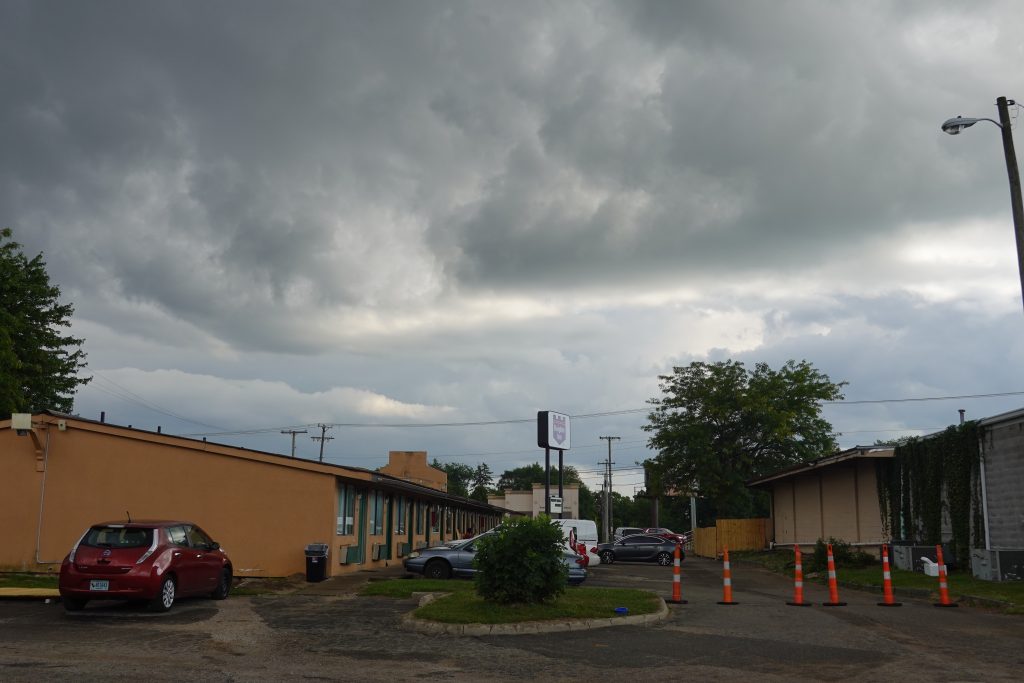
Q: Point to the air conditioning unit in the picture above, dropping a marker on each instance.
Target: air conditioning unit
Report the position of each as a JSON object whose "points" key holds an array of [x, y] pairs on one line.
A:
{"points": [[404, 549], [379, 551], [343, 554]]}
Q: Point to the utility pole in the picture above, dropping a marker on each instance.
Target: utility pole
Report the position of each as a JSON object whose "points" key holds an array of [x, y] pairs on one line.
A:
{"points": [[606, 512], [322, 438], [293, 432]]}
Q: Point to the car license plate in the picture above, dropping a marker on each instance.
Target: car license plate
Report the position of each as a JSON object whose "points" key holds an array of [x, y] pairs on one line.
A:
{"points": [[97, 585]]}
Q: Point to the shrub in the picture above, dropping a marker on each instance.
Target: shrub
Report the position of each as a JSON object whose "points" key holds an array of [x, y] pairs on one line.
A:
{"points": [[521, 562], [843, 553]]}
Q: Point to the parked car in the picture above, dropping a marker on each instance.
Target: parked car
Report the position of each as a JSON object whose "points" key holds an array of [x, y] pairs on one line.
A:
{"points": [[456, 559], [623, 531], [584, 532], [639, 548], [683, 538], [154, 561]]}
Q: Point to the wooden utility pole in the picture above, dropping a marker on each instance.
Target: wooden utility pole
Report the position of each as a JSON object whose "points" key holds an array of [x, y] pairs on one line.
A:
{"points": [[606, 510], [293, 432], [322, 438]]}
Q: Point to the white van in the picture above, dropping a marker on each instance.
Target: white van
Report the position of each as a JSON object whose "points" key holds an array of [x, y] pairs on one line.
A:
{"points": [[585, 532]]}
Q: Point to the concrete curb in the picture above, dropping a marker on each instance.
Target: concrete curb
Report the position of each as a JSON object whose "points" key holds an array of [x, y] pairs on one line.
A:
{"points": [[29, 594], [433, 628]]}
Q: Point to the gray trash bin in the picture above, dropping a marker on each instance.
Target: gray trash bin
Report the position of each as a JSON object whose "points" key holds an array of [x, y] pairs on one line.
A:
{"points": [[316, 562]]}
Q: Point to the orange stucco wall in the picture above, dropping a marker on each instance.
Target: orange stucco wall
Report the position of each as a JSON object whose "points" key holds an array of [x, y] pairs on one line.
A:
{"points": [[262, 508], [90, 477]]}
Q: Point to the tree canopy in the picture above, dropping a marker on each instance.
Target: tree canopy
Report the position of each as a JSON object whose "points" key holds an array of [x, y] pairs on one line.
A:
{"points": [[38, 363], [482, 480], [459, 476], [718, 425]]}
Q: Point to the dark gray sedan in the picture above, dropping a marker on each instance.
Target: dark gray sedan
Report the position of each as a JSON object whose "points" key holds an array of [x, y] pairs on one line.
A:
{"points": [[456, 559], [639, 548]]}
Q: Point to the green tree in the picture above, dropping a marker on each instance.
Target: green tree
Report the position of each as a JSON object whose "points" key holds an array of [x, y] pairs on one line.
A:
{"points": [[459, 477], [482, 480], [38, 364], [717, 425]]}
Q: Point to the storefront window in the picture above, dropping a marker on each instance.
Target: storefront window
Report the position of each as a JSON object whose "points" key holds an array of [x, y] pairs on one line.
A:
{"points": [[400, 513], [346, 509]]}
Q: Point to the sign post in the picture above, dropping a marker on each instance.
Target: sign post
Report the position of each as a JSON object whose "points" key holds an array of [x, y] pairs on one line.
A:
{"points": [[552, 432]]}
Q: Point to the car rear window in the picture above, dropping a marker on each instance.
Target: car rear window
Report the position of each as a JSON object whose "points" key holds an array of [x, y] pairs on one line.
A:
{"points": [[118, 537]]}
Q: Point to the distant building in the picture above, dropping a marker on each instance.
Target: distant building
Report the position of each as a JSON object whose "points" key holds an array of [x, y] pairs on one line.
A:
{"points": [[412, 466], [532, 502]]}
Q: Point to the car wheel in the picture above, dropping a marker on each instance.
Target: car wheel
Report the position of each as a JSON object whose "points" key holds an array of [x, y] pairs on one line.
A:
{"points": [[164, 600], [665, 559], [223, 586], [74, 604], [607, 557], [438, 569]]}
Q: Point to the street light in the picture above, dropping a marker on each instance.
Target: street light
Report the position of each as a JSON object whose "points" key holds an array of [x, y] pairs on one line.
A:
{"points": [[956, 125]]}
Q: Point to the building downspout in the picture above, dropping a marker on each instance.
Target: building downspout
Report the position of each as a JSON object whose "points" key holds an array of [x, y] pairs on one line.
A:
{"points": [[984, 493], [42, 499]]}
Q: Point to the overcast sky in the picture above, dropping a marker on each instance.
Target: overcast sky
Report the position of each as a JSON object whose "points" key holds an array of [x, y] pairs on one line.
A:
{"points": [[270, 215]]}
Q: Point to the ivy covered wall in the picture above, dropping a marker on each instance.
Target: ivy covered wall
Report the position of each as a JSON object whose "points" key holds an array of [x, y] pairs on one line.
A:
{"points": [[930, 480]]}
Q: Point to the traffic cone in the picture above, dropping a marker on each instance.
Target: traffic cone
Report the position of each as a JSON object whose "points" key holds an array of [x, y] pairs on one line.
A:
{"points": [[943, 584], [833, 586], [890, 601], [677, 593], [726, 580], [798, 580]]}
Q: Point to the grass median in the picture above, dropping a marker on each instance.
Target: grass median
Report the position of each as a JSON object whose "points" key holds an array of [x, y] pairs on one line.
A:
{"points": [[1008, 596], [463, 606], [25, 580]]}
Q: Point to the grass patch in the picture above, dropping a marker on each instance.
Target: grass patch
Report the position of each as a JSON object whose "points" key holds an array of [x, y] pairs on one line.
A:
{"points": [[25, 580], [961, 584], [404, 588], [466, 607]]}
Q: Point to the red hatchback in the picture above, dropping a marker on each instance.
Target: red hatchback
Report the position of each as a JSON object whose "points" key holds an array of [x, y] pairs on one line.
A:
{"points": [[155, 561]]}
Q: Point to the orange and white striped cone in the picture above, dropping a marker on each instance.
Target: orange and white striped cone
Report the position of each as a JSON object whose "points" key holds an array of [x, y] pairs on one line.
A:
{"points": [[677, 591], [943, 583], [798, 580], [833, 585], [726, 580], [887, 595]]}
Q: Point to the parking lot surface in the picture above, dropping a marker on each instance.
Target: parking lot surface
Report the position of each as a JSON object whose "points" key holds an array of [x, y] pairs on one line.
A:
{"points": [[343, 637]]}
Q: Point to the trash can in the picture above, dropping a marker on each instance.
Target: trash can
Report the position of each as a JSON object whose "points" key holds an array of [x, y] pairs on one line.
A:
{"points": [[316, 562]]}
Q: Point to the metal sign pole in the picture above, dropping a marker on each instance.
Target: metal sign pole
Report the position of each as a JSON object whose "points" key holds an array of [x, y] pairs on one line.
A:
{"points": [[561, 496], [547, 481]]}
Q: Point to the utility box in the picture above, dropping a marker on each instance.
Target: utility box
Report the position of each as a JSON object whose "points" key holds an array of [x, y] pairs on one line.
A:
{"points": [[997, 565]]}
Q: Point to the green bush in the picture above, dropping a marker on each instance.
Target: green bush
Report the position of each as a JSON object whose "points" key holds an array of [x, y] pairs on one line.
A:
{"points": [[843, 553], [521, 562]]}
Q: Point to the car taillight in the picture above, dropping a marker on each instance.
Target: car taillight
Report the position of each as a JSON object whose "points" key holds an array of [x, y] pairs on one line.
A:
{"points": [[594, 549], [581, 561], [152, 547]]}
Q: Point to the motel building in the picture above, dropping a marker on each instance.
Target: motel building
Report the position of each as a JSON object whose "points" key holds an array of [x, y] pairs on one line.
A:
{"points": [[59, 474]]}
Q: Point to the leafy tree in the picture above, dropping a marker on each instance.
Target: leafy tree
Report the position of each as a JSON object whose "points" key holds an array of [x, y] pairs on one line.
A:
{"points": [[717, 425], [521, 478], [521, 562], [482, 479], [459, 477], [38, 364]]}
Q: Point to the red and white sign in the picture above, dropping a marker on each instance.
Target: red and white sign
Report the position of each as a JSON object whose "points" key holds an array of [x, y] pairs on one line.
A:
{"points": [[553, 430]]}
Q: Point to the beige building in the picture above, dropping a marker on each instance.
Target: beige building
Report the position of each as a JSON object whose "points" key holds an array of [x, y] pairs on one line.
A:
{"points": [[532, 502], [64, 473], [832, 497]]}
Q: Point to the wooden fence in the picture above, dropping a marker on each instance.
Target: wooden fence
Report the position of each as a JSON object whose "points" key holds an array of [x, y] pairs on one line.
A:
{"points": [[737, 534]]}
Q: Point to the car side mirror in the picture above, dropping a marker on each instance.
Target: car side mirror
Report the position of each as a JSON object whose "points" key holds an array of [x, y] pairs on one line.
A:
{"points": [[213, 546]]}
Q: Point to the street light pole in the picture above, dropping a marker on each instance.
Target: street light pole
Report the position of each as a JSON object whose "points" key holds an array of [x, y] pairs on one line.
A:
{"points": [[1013, 173], [956, 125]]}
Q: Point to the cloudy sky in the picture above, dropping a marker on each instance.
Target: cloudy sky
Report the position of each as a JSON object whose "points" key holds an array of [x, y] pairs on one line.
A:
{"points": [[271, 215]]}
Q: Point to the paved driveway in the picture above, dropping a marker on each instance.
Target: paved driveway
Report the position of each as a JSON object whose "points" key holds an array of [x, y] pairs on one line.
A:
{"points": [[347, 638]]}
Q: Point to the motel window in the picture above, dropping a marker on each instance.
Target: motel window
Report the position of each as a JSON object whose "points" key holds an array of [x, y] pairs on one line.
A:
{"points": [[401, 511], [346, 509], [376, 512], [435, 518], [419, 517]]}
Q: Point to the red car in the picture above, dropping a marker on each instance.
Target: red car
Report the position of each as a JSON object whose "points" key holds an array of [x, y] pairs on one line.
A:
{"points": [[154, 561], [683, 538]]}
